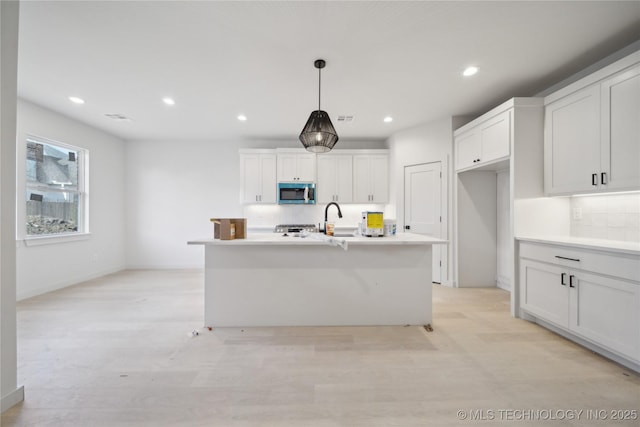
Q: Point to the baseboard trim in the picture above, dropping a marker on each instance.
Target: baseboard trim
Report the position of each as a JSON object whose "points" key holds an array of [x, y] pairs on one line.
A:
{"points": [[621, 360], [12, 399], [65, 284]]}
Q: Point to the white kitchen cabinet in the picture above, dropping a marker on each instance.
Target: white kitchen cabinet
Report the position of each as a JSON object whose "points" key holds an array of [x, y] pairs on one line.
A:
{"points": [[484, 143], [542, 294], [592, 133], [335, 178], [296, 166], [371, 178], [592, 295], [572, 142], [620, 152], [258, 176], [485, 193]]}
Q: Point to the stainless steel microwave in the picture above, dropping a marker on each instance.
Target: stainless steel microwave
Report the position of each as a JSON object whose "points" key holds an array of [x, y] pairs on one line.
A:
{"points": [[296, 193]]}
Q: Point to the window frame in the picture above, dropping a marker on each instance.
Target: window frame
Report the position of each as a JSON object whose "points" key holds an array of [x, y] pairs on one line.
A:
{"points": [[82, 192]]}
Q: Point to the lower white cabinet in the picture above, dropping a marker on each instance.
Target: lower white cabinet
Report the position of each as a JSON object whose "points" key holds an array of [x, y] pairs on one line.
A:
{"points": [[542, 293], [578, 291]]}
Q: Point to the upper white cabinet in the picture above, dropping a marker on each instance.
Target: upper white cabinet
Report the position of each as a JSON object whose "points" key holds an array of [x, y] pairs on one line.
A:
{"points": [[484, 143], [371, 178], [257, 176], [296, 165], [592, 132], [620, 150], [335, 178], [572, 142]]}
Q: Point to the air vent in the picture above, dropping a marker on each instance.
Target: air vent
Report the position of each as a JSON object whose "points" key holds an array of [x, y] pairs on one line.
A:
{"points": [[118, 117], [345, 119]]}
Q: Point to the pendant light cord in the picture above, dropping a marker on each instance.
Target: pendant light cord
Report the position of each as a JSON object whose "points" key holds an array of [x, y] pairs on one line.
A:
{"points": [[319, 83]]}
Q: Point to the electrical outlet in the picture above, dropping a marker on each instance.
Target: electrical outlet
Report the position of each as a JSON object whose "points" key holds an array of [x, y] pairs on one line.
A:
{"points": [[577, 213]]}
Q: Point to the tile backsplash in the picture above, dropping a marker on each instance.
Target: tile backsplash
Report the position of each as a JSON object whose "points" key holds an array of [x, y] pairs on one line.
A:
{"points": [[610, 217]]}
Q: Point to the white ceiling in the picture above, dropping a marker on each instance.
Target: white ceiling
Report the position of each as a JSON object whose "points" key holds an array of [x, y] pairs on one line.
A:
{"points": [[220, 59]]}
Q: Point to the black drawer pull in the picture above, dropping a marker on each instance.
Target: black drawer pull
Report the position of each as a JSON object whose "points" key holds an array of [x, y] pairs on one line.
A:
{"points": [[603, 178], [594, 179], [562, 276], [568, 259], [571, 277]]}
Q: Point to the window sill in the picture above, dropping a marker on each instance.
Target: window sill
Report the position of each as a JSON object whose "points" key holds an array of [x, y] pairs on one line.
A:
{"points": [[58, 238]]}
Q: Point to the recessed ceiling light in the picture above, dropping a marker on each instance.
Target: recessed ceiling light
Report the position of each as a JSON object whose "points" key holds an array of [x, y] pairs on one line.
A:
{"points": [[168, 101], [76, 100], [470, 71], [388, 119], [242, 118]]}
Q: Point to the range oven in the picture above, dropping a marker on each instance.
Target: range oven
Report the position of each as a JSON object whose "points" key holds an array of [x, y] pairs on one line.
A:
{"points": [[296, 193]]}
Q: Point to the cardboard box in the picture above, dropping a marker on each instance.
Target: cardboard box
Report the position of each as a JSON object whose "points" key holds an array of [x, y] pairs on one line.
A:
{"points": [[229, 228]]}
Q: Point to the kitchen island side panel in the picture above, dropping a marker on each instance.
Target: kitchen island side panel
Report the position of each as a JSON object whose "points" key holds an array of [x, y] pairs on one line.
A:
{"points": [[293, 285]]}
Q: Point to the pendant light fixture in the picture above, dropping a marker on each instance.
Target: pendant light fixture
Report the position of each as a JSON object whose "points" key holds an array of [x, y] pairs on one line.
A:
{"points": [[319, 135]]}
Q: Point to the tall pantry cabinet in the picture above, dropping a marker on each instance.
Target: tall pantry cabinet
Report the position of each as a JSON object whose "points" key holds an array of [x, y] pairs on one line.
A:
{"points": [[508, 142]]}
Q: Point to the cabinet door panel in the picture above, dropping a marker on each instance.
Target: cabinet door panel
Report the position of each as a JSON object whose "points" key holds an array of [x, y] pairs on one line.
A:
{"points": [[344, 179], [268, 178], [467, 149], [326, 188], [306, 167], [361, 179], [251, 180], [572, 142], [606, 311], [495, 137], [543, 294], [286, 167], [620, 155], [379, 179]]}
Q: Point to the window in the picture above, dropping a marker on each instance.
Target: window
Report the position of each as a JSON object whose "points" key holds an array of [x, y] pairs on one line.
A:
{"points": [[55, 188]]}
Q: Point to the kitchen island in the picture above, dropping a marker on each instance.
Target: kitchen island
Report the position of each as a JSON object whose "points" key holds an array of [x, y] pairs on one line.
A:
{"points": [[272, 280]]}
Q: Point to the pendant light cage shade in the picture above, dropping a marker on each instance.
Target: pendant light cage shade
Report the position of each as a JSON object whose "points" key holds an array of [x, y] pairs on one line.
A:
{"points": [[318, 134]]}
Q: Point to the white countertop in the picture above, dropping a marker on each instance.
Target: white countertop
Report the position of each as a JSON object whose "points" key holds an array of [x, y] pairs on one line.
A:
{"points": [[320, 239], [585, 243]]}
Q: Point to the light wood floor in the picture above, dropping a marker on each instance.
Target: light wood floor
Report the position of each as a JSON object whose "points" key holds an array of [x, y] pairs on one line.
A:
{"points": [[116, 352]]}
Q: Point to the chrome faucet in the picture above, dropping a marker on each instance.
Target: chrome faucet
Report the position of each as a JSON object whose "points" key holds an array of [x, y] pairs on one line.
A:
{"points": [[326, 210]]}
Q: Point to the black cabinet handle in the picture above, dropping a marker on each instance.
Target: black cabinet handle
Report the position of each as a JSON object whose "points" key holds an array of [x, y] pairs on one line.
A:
{"points": [[603, 178], [571, 281], [594, 179], [568, 259], [407, 227], [562, 276]]}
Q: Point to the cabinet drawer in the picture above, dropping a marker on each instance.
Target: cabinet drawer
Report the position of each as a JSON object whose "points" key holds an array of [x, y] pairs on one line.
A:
{"points": [[612, 264]]}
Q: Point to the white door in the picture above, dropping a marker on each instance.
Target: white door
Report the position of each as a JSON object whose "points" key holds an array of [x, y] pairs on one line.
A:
{"points": [[422, 206]]}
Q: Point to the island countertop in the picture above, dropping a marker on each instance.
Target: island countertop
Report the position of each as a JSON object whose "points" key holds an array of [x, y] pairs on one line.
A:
{"points": [[257, 239]]}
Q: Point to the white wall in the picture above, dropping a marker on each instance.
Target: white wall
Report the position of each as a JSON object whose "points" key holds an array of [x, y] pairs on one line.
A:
{"points": [[47, 267], [10, 393], [429, 142], [175, 187], [504, 244]]}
